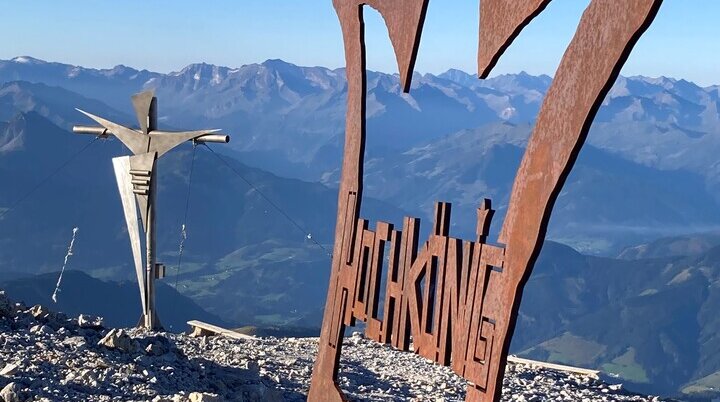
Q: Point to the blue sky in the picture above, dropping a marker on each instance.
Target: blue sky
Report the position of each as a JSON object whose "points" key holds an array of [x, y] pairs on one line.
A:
{"points": [[164, 35]]}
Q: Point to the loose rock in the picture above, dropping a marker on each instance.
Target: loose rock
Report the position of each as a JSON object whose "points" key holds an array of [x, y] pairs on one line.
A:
{"points": [[201, 397], [10, 393], [118, 339], [78, 363], [90, 321], [9, 369], [6, 306]]}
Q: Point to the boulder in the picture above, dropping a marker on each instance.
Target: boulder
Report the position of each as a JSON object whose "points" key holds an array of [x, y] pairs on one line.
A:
{"points": [[38, 312], [11, 393], [75, 341], [118, 339], [7, 308], [203, 397], [41, 329], [90, 321], [9, 369], [156, 349]]}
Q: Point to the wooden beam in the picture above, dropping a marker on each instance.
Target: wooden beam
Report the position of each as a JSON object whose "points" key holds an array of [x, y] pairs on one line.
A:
{"points": [[552, 366], [203, 328]]}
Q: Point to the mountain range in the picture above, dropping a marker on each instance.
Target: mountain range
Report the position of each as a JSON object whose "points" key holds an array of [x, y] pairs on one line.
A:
{"points": [[650, 321], [651, 154], [116, 302], [632, 296], [231, 227]]}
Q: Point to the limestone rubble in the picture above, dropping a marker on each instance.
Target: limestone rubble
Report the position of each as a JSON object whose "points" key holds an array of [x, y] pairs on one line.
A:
{"points": [[47, 356]]}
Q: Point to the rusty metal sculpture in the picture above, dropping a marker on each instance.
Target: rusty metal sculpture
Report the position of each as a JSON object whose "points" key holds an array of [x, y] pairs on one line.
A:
{"points": [[457, 301]]}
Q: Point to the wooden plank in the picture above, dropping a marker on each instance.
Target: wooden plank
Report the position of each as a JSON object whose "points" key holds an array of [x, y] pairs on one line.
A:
{"points": [[552, 366], [214, 329]]}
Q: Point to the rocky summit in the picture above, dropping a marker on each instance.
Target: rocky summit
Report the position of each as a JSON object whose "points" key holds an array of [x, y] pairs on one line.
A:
{"points": [[48, 356]]}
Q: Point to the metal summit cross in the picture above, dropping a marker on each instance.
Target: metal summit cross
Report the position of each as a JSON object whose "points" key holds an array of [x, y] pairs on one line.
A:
{"points": [[137, 182]]}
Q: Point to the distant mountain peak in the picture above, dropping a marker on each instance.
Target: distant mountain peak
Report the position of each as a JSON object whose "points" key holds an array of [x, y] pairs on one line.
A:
{"points": [[459, 77], [198, 73], [455, 71], [121, 68], [12, 135], [660, 80], [193, 67], [27, 60], [278, 63]]}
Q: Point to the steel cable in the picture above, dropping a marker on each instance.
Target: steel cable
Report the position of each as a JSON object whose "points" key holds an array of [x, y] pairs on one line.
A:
{"points": [[269, 201]]}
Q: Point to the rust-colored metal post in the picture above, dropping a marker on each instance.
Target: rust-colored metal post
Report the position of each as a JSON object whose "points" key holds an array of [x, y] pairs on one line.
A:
{"points": [[602, 43], [404, 19]]}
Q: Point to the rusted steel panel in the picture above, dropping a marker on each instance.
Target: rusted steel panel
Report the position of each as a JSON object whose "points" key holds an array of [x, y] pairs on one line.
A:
{"points": [[459, 299], [441, 225], [411, 233], [426, 345], [500, 23], [448, 309], [590, 66], [404, 19], [374, 325], [393, 293]]}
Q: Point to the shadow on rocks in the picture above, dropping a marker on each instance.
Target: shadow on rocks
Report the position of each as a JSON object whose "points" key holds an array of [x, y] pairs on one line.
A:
{"points": [[152, 368], [358, 382]]}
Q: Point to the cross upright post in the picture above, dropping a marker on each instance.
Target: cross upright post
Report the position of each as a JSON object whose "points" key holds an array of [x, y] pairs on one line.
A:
{"points": [[137, 183]]}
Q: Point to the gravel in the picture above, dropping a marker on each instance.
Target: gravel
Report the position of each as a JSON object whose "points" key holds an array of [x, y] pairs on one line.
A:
{"points": [[46, 356]]}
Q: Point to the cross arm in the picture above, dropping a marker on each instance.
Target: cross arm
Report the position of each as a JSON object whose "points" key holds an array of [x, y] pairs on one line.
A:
{"points": [[104, 133]]}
